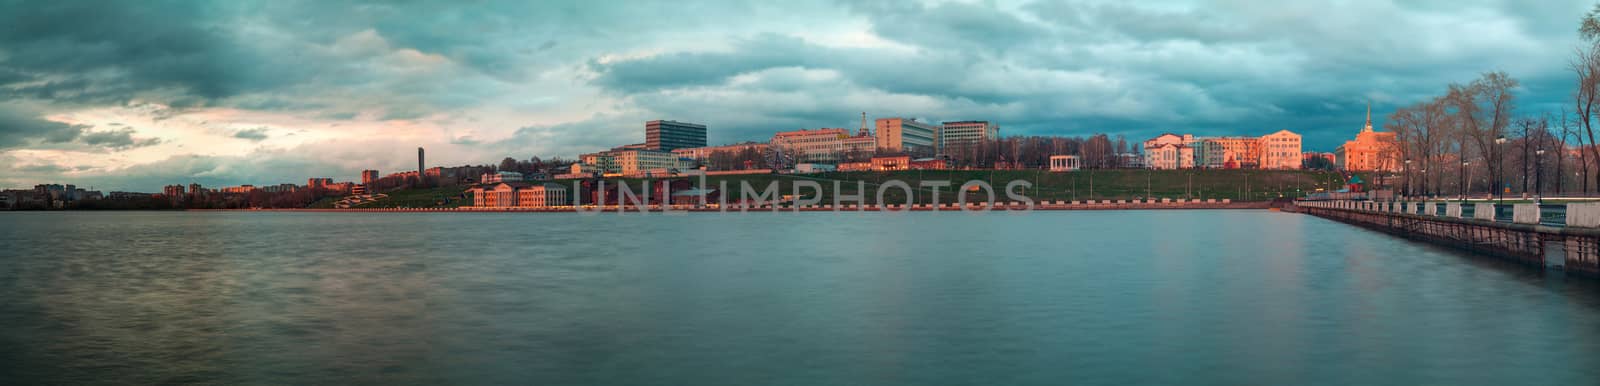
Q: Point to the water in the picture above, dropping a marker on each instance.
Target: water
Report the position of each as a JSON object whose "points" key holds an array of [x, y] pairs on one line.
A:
{"points": [[1084, 297]]}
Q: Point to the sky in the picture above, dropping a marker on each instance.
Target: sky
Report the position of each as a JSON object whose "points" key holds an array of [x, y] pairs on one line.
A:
{"points": [[125, 95]]}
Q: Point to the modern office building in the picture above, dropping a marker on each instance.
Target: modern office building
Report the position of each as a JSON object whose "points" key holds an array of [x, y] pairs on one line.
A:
{"points": [[666, 135], [645, 162], [966, 132], [906, 135]]}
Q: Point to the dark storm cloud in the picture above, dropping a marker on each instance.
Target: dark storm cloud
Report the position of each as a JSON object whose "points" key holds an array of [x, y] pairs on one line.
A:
{"points": [[1066, 67], [19, 128], [107, 52], [254, 135], [118, 139]]}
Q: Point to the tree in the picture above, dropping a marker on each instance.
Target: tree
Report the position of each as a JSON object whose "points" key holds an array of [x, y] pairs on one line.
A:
{"points": [[1482, 111], [1318, 163], [1586, 65], [508, 164], [1589, 26]]}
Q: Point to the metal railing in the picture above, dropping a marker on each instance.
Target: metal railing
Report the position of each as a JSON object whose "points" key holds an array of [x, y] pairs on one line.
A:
{"points": [[1554, 215]]}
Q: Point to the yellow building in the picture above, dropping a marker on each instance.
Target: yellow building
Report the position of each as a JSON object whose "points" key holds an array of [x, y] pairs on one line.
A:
{"points": [[1370, 151], [1281, 150], [906, 135], [520, 195]]}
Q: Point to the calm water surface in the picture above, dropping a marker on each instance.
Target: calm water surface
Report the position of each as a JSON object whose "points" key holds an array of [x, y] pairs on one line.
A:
{"points": [[1048, 298]]}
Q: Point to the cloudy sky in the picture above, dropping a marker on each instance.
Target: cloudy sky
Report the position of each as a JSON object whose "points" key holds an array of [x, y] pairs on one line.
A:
{"points": [[132, 95]]}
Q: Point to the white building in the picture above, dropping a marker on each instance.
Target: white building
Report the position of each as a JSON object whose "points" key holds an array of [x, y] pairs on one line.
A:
{"points": [[1169, 151], [1064, 163], [812, 146]]}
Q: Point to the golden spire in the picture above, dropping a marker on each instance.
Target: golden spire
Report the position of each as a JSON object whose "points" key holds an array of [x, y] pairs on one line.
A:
{"points": [[1368, 127]]}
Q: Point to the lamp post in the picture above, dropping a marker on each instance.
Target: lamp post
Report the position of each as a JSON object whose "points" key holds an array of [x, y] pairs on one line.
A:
{"points": [[1407, 173], [1499, 142], [1424, 183], [1463, 186], [1538, 176]]}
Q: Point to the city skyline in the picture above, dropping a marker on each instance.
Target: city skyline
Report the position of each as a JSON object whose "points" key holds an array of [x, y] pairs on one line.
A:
{"points": [[251, 93]]}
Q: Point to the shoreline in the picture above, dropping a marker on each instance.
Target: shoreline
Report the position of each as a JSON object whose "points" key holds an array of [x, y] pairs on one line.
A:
{"points": [[1104, 205]]}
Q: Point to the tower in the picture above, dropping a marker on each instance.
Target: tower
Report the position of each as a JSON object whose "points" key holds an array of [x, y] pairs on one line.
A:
{"points": [[419, 162], [1368, 127], [863, 132]]}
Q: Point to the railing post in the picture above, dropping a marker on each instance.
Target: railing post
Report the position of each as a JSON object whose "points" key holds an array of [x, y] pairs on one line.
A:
{"points": [[1452, 209], [1525, 213], [1483, 211], [1586, 215]]}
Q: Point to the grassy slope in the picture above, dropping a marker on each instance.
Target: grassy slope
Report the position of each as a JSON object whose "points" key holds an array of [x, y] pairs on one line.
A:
{"points": [[1239, 185], [1082, 185], [409, 198]]}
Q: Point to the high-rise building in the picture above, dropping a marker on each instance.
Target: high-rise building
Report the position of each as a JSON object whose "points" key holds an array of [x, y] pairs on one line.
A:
{"points": [[906, 135], [666, 135], [960, 132], [419, 161], [368, 176]]}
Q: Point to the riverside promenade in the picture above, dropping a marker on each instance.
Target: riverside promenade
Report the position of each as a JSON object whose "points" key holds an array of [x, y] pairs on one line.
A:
{"points": [[732, 207], [1553, 236]]}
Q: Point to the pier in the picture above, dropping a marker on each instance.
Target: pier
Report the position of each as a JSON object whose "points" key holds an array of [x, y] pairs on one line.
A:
{"points": [[1552, 236]]}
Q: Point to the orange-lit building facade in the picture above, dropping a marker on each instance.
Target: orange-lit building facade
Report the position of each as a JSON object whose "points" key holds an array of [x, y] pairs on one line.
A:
{"points": [[1281, 150], [1369, 151], [906, 135], [889, 163], [1169, 151]]}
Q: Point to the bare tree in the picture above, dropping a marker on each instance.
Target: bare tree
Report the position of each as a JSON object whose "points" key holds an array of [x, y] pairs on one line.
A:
{"points": [[1586, 65], [1482, 110]]}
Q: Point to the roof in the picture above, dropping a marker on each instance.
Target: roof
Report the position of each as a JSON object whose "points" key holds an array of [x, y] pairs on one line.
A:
{"points": [[694, 192], [822, 131]]}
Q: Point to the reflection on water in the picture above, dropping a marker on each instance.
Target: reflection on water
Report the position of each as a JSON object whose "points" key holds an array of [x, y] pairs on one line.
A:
{"points": [[1097, 297]]}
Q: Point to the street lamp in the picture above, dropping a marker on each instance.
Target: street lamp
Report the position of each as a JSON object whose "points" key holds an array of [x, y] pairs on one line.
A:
{"points": [[1407, 173], [1538, 176], [1463, 186], [1424, 183], [1495, 169]]}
